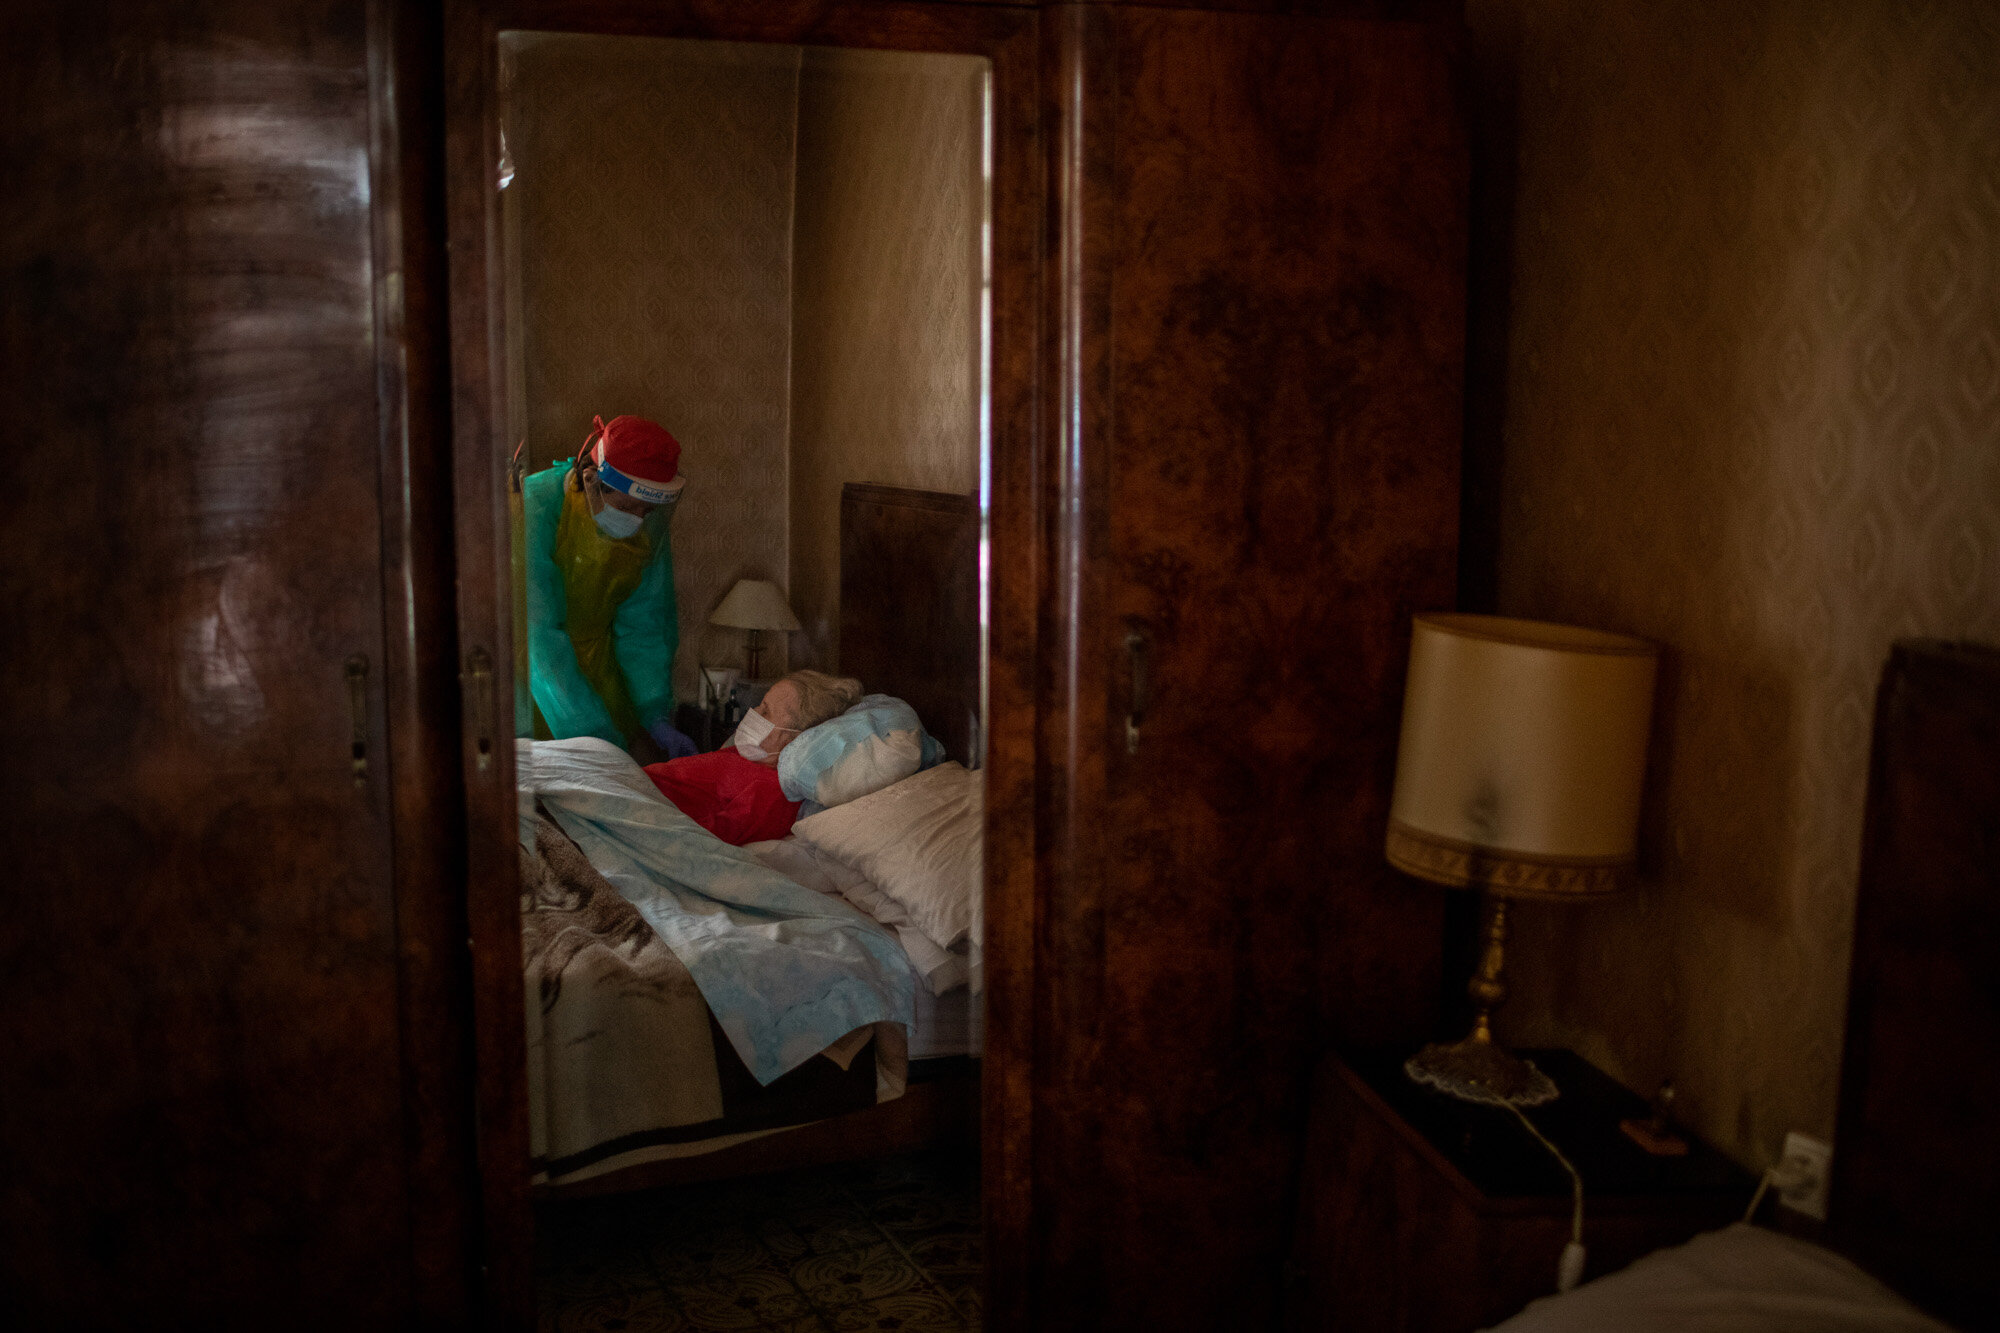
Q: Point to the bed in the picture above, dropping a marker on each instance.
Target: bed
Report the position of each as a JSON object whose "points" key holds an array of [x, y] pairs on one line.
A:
{"points": [[634, 1078], [1912, 1237]]}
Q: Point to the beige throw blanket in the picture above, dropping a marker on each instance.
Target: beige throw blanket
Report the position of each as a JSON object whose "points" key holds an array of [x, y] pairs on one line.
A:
{"points": [[625, 1062]]}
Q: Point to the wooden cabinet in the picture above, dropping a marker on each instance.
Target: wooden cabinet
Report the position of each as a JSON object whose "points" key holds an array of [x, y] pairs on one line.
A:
{"points": [[1228, 303], [242, 1015], [1423, 1214], [1257, 297], [232, 1083]]}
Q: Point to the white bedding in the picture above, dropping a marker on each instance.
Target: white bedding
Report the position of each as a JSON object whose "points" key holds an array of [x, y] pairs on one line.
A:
{"points": [[801, 861], [786, 971], [948, 1008], [1742, 1279], [918, 841], [622, 1064]]}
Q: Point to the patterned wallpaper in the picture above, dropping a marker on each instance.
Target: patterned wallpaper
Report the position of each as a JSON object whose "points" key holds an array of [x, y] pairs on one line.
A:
{"points": [[887, 273], [659, 269], [1752, 410], [651, 215]]}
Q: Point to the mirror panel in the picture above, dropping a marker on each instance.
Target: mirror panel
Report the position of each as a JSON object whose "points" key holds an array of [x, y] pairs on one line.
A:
{"points": [[781, 255]]}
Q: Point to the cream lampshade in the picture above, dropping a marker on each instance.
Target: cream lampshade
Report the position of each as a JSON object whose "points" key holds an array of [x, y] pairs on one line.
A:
{"points": [[754, 605], [1522, 755]]}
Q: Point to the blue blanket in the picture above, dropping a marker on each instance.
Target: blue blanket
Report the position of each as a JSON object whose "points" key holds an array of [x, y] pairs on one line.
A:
{"points": [[786, 971]]}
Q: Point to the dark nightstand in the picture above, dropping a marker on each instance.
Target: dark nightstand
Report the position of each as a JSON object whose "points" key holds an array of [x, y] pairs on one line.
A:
{"points": [[1420, 1213], [702, 726], [711, 728]]}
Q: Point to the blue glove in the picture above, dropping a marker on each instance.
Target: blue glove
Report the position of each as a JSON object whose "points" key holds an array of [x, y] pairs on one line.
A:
{"points": [[677, 744]]}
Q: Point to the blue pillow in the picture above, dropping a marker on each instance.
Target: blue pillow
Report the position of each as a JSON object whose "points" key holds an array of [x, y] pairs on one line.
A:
{"points": [[874, 743]]}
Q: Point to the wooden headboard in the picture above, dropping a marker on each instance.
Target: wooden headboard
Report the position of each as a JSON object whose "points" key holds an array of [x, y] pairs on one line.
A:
{"points": [[909, 604], [1916, 1164]]}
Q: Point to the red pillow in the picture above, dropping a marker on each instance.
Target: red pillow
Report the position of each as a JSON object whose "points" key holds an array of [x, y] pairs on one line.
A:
{"points": [[735, 799]]}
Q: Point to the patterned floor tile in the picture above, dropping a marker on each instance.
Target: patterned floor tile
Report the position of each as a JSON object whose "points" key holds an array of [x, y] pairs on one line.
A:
{"points": [[746, 1301], [833, 1227], [953, 1252], [836, 1281], [587, 1279], [907, 1312], [645, 1311], [893, 1244], [715, 1255], [910, 1210]]}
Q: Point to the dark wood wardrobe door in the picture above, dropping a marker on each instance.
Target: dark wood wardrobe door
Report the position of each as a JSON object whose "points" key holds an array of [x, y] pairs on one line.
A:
{"points": [[203, 1121], [1263, 233]]}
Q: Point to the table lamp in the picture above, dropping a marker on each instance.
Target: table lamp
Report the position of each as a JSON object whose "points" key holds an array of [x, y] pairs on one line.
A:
{"points": [[1518, 774], [754, 605]]}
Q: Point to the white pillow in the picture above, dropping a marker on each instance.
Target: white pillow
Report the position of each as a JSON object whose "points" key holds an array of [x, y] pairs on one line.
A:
{"points": [[918, 841], [1742, 1279], [822, 872]]}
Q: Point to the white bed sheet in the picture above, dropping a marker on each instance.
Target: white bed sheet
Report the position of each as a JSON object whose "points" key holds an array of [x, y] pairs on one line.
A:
{"points": [[799, 860], [1742, 1279], [948, 1008]]}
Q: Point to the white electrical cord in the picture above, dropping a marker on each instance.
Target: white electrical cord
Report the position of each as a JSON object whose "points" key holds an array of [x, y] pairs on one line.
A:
{"points": [[1791, 1173], [1763, 1185], [1569, 1269]]}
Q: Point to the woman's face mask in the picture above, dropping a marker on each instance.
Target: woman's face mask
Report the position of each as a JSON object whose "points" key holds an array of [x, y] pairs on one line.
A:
{"points": [[751, 733]]}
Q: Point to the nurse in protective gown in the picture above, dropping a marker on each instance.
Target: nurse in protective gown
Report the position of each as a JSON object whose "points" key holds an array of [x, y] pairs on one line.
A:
{"points": [[594, 584]]}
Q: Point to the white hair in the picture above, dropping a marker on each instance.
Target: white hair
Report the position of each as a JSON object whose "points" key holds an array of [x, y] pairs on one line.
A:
{"points": [[822, 696]]}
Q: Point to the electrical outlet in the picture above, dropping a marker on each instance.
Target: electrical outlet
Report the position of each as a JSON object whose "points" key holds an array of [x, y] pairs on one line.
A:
{"points": [[1801, 1175]]}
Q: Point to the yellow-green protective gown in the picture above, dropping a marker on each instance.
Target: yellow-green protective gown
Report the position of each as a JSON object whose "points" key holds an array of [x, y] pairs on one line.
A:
{"points": [[601, 617]]}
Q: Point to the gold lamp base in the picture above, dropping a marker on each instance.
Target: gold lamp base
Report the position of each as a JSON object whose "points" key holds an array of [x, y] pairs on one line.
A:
{"points": [[1479, 1071], [1475, 1069]]}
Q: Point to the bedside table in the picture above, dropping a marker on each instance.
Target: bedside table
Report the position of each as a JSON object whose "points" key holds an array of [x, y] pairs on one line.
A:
{"points": [[701, 726], [1420, 1213]]}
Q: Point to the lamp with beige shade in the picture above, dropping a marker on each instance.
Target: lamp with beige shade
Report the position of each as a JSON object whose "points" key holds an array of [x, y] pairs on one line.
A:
{"points": [[1522, 755], [755, 605]]}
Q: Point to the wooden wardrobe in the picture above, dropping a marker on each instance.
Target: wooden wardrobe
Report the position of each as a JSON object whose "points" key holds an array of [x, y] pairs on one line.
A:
{"points": [[234, 1067], [262, 997], [1251, 412]]}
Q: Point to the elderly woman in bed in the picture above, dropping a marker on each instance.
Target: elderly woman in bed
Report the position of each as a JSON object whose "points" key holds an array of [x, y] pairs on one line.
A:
{"points": [[734, 792]]}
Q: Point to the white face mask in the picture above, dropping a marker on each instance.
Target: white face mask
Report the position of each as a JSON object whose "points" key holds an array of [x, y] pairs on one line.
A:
{"points": [[750, 734], [617, 524], [612, 521]]}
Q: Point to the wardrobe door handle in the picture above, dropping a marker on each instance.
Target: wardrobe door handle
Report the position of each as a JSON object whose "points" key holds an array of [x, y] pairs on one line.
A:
{"points": [[357, 715], [479, 680], [1138, 653]]}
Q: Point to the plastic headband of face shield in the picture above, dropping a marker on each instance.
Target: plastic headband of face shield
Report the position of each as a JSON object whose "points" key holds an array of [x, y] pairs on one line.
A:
{"points": [[644, 491], [591, 455]]}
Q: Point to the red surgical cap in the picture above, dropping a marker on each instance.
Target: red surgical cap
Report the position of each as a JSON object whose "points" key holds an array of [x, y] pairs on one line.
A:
{"points": [[637, 451]]}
